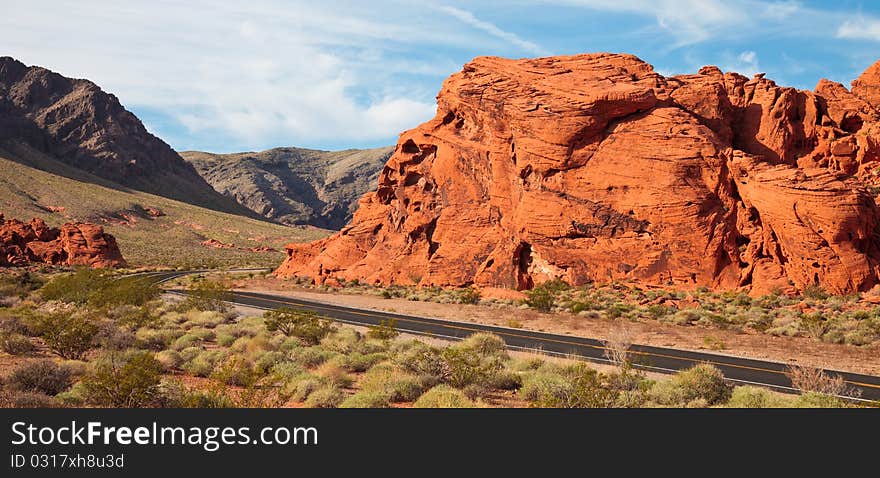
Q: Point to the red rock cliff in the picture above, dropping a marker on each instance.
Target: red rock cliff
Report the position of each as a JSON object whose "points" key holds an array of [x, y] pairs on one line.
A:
{"points": [[596, 168], [73, 244]]}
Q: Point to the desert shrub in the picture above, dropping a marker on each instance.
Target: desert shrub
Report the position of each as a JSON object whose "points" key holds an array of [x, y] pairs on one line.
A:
{"points": [[185, 341], [16, 344], [207, 319], [156, 339], [684, 317], [811, 379], [386, 329], [335, 374], [344, 340], [69, 336], [135, 316], [236, 371], [170, 359], [328, 396], [748, 396], [14, 399], [699, 384], [74, 396], [815, 292], [76, 287], [305, 325], [358, 362], [93, 287], [207, 295], [475, 360], [111, 337], [420, 359], [41, 376], [505, 380], [203, 364], [468, 295], [299, 388], [123, 291], [123, 379], [312, 356], [396, 384], [283, 372], [818, 400], [444, 396], [543, 297], [266, 361], [526, 364], [17, 321], [574, 386], [365, 400], [19, 283]]}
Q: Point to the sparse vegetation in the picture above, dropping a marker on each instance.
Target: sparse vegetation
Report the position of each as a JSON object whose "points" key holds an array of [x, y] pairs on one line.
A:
{"points": [[156, 354]]}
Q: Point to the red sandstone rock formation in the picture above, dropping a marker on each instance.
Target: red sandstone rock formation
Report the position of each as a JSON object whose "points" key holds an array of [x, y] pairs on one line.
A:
{"points": [[597, 168], [72, 244]]}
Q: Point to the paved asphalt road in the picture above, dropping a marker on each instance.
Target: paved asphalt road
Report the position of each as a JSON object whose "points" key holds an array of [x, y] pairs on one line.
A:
{"points": [[660, 359]]}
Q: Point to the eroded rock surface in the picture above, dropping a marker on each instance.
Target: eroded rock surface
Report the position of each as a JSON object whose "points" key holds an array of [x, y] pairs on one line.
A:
{"points": [[596, 168], [72, 244]]}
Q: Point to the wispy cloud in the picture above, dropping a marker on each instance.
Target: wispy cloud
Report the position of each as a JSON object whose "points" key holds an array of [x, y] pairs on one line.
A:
{"points": [[860, 28], [512, 38]]}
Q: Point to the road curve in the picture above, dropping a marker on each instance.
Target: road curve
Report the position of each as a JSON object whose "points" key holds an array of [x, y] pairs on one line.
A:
{"points": [[660, 359]]}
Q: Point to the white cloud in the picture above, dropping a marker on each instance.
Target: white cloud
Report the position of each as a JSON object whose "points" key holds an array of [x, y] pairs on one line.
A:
{"points": [[469, 18], [745, 63], [860, 28], [261, 73]]}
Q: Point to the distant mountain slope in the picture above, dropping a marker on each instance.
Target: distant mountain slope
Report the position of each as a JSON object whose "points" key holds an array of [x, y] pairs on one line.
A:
{"points": [[295, 185], [149, 229], [76, 122]]}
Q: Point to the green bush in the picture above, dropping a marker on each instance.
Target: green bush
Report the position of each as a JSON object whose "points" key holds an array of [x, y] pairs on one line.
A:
{"points": [[475, 360], [818, 400], [170, 359], [41, 376], [358, 362], [312, 356], [299, 388], [97, 289], [19, 283], [328, 396], [69, 336], [365, 400], [419, 358], [207, 295], [203, 364], [444, 396], [468, 295], [75, 288], [575, 386], [236, 371], [386, 329], [305, 325], [397, 385], [748, 396], [701, 384], [123, 379], [16, 344], [543, 296]]}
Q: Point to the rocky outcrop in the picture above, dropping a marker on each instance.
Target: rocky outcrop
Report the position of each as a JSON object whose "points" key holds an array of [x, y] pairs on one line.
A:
{"points": [[295, 186], [72, 245], [596, 168], [80, 124]]}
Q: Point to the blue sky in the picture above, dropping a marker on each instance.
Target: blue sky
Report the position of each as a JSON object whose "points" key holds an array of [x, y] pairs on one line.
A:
{"points": [[251, 75]]}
